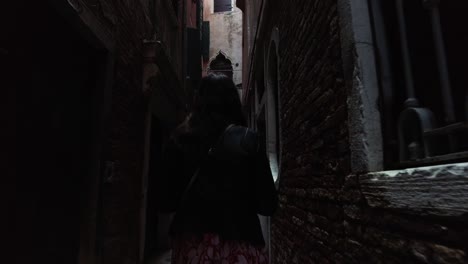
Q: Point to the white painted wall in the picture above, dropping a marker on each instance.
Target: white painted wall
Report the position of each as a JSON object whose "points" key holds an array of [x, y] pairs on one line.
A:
{"points": [[225, 36]]}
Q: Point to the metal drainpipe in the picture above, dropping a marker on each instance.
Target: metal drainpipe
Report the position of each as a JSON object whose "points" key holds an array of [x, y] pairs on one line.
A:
{"points": [[386, 74], [411, 100], [433, 7], [414, 120]]}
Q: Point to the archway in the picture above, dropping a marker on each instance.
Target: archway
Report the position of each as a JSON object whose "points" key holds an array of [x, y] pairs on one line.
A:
{"points": [[221, 64]]}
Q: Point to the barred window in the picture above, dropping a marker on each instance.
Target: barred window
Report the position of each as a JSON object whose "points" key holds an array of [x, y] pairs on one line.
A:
{"points": [[421, 56], [222, 5]]}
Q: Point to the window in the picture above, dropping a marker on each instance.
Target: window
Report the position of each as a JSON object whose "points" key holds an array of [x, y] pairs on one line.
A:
{"points": [[265, 115], [222, 5], [206, 40], [416, 190], [193, 54], [272, 104], [152, 13], [221, 65], [421, 50], [175, 6]]}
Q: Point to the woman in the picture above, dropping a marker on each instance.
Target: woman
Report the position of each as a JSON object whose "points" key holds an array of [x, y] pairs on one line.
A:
{"points": [[217, 180]]}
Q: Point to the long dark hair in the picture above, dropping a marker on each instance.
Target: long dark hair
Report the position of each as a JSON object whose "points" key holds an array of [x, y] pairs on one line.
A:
{"points": [[216, 104]]}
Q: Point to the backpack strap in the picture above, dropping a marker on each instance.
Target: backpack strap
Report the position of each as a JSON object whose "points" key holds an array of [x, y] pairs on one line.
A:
{"points": [[237, 144], [197, 171]]}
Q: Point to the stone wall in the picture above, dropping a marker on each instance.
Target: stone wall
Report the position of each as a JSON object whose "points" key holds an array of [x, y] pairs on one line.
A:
{"points": [[327, 213]]}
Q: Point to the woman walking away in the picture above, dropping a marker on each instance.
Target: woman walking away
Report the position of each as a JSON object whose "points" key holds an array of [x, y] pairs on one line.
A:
{"points": [[217, 179]]}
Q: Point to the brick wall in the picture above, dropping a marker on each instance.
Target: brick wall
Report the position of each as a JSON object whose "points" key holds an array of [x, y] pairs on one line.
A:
{"points": [[128, 23], [324, 216], [315, 161]]}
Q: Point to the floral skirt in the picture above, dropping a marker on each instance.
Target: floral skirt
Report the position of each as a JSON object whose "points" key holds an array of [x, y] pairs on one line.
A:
{"points": [[210, 248]]}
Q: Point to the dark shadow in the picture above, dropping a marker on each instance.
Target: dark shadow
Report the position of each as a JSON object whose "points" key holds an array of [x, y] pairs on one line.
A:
{"points": [[55, 75]]}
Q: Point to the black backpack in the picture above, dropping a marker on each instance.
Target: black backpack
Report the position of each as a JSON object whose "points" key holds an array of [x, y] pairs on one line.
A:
{"points": [[222, 177]]}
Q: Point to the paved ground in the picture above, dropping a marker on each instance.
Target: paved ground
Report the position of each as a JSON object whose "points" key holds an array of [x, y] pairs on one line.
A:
{"points": [[161, 258]]}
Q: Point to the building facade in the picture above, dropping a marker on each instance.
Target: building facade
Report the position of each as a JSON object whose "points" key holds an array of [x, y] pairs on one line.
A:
{"points": [[224, 22], [363, 110], [95, 87]]}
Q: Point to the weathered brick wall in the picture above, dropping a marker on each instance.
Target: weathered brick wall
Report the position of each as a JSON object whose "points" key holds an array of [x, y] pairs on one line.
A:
{"points": [[128, 24], [309, 224], [323, 216]]}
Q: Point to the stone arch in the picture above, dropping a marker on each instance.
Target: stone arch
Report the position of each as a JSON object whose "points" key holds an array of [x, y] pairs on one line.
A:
{"points": [[221, 64]]}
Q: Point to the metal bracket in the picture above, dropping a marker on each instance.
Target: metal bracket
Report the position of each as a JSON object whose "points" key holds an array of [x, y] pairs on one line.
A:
{"points": [[412, 124]]}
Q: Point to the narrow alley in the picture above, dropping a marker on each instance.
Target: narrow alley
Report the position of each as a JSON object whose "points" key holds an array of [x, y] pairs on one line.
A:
{"points": [[361, 107]]}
